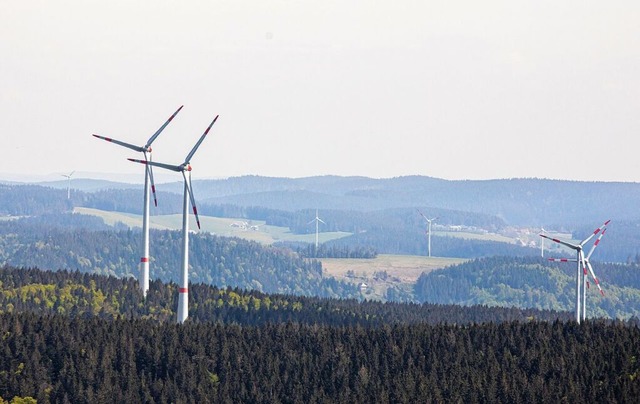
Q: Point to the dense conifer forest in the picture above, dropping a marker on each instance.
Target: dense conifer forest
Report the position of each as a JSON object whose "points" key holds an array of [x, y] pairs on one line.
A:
{"points": [[532, 282], [324, 350], [213, 260]]}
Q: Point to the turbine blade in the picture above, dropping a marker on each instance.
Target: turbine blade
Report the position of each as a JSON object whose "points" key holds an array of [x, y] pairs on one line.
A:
{"points": [[562, 259], [595, 280], [153, 184], [595, 244], [596, 231], [321, 221], [421, 214], [161, 165], [193, 200], [565, 243], [155, 135], [127, 145], [193, 151]]}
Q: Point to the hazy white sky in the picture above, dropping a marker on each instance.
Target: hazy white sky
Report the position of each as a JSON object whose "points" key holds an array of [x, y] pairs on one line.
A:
{"points": [[450, 89]]}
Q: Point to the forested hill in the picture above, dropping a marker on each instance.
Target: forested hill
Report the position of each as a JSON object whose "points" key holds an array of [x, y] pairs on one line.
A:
{"points": [[57, 359], [533, 282], [81, 294], [213, 260], [108, 344]]}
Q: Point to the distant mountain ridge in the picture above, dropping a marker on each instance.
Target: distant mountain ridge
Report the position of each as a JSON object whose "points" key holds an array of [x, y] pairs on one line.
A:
{"points": [[523, 202]]}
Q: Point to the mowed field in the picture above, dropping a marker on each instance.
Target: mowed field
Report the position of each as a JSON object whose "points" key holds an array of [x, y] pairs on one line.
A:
{"points": [[216, 225], [406, 268], [475, 236], [383, 272]]}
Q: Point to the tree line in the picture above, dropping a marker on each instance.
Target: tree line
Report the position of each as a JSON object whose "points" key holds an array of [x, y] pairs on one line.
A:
{"points": [[78, 294], [214, 260]]}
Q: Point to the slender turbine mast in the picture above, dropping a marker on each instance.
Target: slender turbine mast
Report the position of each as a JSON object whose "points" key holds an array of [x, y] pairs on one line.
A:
{"points": [[184, 168], [579, 260], [317, 220], [148, 178], [68, 177], [542, 242], [428, 230]]}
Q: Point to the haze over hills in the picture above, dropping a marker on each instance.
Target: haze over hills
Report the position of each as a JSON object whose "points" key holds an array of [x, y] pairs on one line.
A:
{"points": [[354, 204], [521, 202]]}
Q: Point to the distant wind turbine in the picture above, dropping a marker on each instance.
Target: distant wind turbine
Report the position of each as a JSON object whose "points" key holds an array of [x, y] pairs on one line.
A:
{"points": [[148, 178], [542, 242], [317, 220], [68, 177], [580, 262], [184, 168], [428, 230]]}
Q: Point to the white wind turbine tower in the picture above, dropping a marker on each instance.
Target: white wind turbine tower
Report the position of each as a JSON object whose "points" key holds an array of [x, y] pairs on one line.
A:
{"points": [[317, 220], [68, 177], [542, 243], [586, 264], [148, 178], [579, 260], [183, 296], [428, 230]]}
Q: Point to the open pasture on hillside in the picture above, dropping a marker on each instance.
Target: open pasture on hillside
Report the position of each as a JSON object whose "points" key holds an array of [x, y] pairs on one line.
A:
{"points": [[384, 271], [256, 230], [406, 268], [475, 236]]}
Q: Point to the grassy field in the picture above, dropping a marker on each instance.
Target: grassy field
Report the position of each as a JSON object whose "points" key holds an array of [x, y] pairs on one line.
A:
{"points": [[216, 225], [475, 236], [406, 268], [385, 271]]}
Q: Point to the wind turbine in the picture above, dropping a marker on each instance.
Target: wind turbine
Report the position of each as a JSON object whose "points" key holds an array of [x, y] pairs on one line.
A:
{"points": [[183, 291], [428, 230], [68, 177], [579, 259], [586, 264], [542, 243], [148, 178], [317, 220]]}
